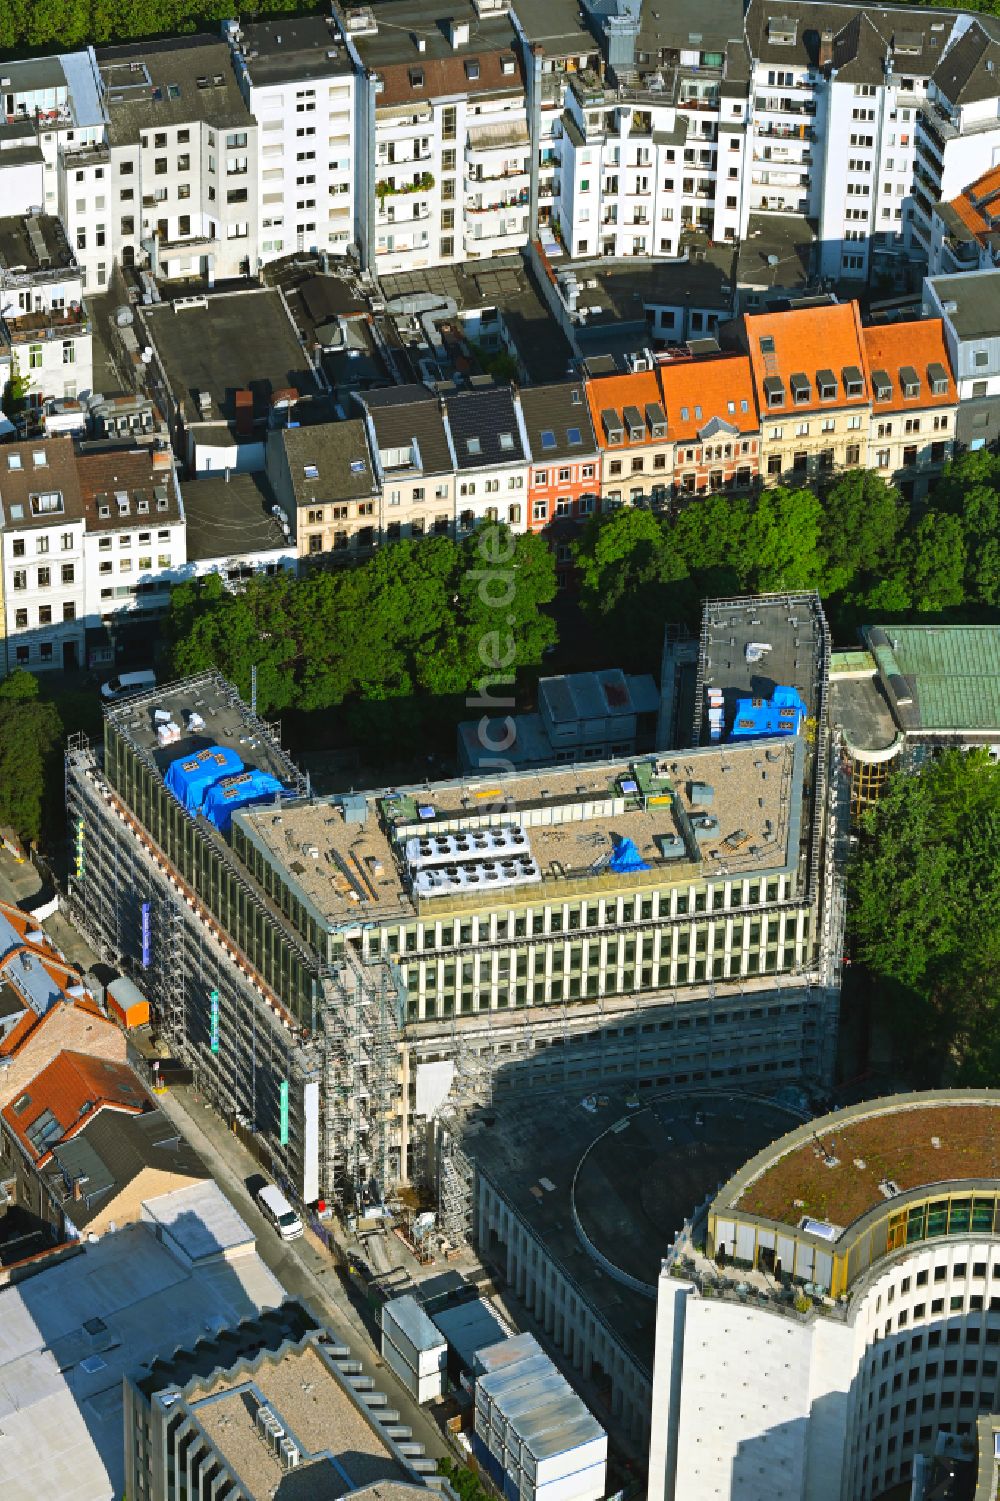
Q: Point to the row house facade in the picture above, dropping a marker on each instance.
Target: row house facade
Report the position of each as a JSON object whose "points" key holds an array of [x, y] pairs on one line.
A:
{"points": [[812, 388], [87, 539], [631, 429], [911, 434], [712, 418], [564, 480]]}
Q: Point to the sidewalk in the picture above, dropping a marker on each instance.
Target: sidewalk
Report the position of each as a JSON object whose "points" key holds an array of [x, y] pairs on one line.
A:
{"points": [[304, 1267]]}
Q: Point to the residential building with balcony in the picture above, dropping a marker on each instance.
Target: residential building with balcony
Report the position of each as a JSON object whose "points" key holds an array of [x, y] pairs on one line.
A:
{"points": [[135, 544], [958, 135], [183, 160], [51, 116], [298, 83], [443, 152], [564, 483], [557, 45], [969, 308], [812, 387], [492, 457], [965, 233], [42, 543], [838, 92], [631, 429], [654, 145], [712, 421], [413, 460], [914, 403], [324, 480], [44, 323]]}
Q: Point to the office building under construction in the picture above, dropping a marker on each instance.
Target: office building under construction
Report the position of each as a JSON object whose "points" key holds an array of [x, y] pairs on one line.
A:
{"points": [[351, 972]]}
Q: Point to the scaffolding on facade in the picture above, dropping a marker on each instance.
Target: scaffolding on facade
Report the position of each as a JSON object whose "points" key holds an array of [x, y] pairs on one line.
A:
{"points": [[361, 1018], [471, 1091]]}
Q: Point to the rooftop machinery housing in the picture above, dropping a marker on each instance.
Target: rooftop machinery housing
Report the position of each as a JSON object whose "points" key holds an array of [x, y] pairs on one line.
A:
{"points": [[328, 965]]}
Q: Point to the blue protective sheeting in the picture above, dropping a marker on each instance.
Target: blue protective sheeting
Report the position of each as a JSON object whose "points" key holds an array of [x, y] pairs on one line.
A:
{"points": [[626, 857], [190, 777], [241, 791], [782, 714]]}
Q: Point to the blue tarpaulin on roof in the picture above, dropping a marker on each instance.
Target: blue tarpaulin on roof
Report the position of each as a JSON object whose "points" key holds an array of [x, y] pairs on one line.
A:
{"points": [[222, 800], [781, 714], [626, 857], [189, 777]]}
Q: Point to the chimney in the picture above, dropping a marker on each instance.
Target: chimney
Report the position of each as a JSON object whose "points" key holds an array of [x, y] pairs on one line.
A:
{"points": [[77, 1190], [825, 58], [458, 33]]}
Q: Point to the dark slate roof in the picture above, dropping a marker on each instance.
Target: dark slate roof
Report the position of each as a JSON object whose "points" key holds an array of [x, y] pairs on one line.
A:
{"points": [[916, 37], [963, 76], [113, 1149], [190, 78], [338, 452], [481, 423], [553, 411], [328, 297], [401, 414]]}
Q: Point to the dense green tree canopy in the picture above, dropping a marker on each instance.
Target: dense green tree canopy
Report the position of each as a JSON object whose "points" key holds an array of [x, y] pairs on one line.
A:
{"points": [[62, 24], [924, 913], [30, 746], [419, 621]]}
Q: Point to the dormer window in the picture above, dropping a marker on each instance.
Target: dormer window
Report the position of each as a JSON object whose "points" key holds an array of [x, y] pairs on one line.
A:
{"points": [[416, 78], [612, 424], [472, 69], [47, 503], [774, 390], [766, 344], [881, 386], [507, 65], [826, 385], [909, 382], [801, 389], [854, 384], [937, 377], [310, 471]]}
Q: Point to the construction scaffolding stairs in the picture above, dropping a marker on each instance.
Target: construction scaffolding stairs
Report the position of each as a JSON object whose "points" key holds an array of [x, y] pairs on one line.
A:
{"points": [[471, 1092], [361, 1017]]}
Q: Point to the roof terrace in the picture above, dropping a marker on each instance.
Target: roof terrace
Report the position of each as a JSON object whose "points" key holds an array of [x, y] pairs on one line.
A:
{"points": [[450, 846]]}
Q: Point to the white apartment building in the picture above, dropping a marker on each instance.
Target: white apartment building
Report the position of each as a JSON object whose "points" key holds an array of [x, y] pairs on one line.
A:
{"points": [[298, 83], [183, 159], [969, 308], [41, 538], [44, 323], [838, 92], [51, 112], [444, 162], [492, 457], [810, 1356], [661, 152]]}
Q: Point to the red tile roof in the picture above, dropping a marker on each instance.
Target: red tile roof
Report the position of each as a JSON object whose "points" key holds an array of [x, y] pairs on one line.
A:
{"points": [[72, 1088], [978, 203], [613, 393], [696, 390], [807, 341], [62, 975], [917, 348]]}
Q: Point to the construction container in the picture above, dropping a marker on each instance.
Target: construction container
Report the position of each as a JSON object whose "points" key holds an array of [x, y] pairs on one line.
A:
{"points": [[127, 1003], [414, 1348], [532, 1434]]}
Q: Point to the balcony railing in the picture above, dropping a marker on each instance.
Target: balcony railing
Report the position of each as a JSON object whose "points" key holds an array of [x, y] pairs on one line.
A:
{"points": [[54, 323]]}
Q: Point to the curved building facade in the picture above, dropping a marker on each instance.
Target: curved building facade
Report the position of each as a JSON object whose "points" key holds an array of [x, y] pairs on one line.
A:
{"points": [[843, 1310]]}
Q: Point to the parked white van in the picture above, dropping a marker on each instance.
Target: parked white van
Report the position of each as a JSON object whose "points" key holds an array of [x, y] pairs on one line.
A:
{"points": [[281, 1214], [128, 682]]}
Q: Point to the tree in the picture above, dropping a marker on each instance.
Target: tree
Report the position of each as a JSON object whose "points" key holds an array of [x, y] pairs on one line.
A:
{"points": [[935, 559], [924, 911], [30, 739], [633, 577], [15, 396], [861, 522], [408, 627]]}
